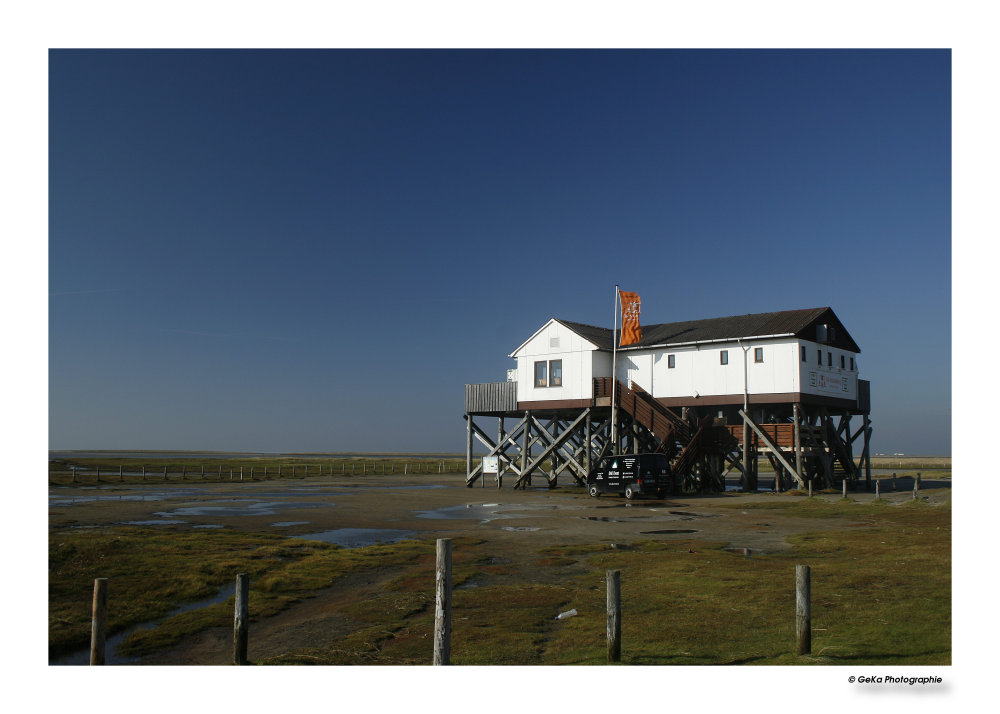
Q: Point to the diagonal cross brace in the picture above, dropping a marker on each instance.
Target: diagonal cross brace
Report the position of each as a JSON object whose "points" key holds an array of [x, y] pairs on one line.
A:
{"points": [[495, 449], [773, 447], [561, 449], [554, 444]]}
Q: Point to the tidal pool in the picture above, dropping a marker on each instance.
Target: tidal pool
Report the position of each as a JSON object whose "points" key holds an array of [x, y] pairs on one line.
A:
{"points": [[358, 537], [111, 656]]}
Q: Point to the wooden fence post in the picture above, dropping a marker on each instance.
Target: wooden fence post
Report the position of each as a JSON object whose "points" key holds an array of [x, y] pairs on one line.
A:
{"points": [[98, 625], [810, 488], [242, 619], [121, 474], [442, 603], [845, 488], [877, 494], [614, 616], [164, 473], [916, 486], [98, 474], [803, 609]]}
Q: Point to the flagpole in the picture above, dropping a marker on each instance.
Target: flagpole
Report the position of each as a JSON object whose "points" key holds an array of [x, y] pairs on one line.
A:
{"points": [[614, 378]]}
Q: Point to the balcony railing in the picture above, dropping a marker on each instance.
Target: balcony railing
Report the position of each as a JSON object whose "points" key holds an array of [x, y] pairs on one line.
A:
{"points": [[491, 397]]}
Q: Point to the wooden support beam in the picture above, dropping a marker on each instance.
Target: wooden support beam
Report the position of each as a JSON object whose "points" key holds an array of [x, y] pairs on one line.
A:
{"points": [[495, 449], [555, 443], [468, 449], [773, 447], [558, 448], [837, 449], [797, 417], [525, 449]]}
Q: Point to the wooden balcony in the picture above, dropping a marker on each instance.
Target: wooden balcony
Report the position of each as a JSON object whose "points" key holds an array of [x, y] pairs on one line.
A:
{"points": [[491, 398]]}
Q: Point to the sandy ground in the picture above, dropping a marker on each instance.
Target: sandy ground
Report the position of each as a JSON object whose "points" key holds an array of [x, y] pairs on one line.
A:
{"points": [[514, 523]]}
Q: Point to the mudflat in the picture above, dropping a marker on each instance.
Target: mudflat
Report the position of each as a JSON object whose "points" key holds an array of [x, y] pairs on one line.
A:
{"points": [[512, 524]]}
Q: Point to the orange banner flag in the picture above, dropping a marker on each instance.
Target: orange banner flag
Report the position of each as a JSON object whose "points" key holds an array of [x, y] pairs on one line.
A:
{"points": [[631, 331]]}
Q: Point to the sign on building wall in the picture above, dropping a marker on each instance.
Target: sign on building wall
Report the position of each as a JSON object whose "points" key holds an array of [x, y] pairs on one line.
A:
{"points": [[828, 382]]}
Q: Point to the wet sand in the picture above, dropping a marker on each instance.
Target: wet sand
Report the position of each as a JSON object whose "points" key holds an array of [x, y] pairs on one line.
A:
{"points": [[354, 511]]}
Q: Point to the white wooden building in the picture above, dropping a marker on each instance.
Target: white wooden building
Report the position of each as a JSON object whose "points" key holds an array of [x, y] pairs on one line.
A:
{"points": [[712, 394], [774, 358]]}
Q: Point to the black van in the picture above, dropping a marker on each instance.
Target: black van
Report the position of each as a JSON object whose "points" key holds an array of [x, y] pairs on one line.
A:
{"points": [[633, 475]]}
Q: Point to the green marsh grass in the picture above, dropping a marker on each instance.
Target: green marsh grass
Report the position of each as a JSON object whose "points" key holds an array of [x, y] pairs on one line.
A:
{"points": [[881, 592]]}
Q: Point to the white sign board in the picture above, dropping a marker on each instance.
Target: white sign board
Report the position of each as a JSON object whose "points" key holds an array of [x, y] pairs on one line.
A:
{"points": [[491, 464]]}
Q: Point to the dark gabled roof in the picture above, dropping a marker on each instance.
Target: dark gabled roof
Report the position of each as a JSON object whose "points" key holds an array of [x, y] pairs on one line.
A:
{"points": [[800, 323]]}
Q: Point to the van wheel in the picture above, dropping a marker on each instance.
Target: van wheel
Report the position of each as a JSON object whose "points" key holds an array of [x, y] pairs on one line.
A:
{"points": [[629, 493], [594, 492]]}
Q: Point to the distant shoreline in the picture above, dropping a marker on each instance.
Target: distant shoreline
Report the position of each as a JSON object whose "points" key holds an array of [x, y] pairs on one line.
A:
{"points": [[166, 453]]}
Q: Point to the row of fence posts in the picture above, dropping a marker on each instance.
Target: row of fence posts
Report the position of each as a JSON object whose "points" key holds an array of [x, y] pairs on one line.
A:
{"points": [[442, 612], [442, 467], [878, 487]]}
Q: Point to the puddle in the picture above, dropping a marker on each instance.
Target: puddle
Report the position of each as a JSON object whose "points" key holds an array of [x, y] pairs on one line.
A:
{"points": [[519, 528], [282, 524], [668, 532], [653, 505], [60, 500], [422, 487], [152, 523], [358, 537], [484, 512], [209, 525], [470, 584], [253, 508], [111, 656]]}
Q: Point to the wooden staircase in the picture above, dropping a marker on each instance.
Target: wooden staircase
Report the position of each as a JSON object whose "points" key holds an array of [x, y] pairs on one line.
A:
{"points": [[684, 444]]}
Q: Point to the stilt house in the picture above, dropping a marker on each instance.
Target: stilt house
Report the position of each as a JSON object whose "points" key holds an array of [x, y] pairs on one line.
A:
{"points": [[712, 394]]}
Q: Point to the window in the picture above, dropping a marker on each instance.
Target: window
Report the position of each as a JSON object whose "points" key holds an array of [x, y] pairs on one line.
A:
{"points": [[852, 363], [724, 357], [819, 357], [841, 361], [555, 373], [548, 374], [758, 354], [671, 363], [829, 359], [803, 348]]}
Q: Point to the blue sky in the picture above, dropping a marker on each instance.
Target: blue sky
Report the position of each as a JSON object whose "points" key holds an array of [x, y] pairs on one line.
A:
{"points": [[316, 250]]}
